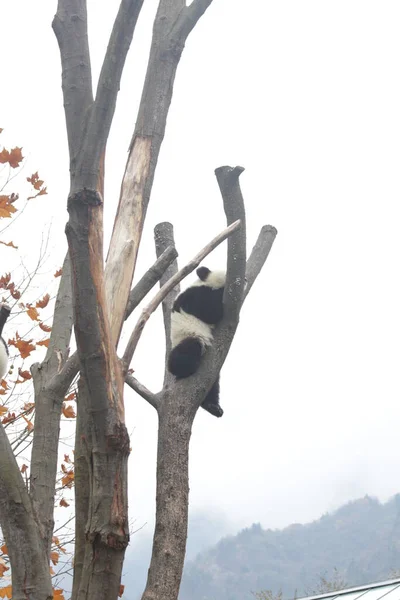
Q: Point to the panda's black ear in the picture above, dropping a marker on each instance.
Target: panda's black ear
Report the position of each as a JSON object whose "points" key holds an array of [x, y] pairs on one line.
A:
{"points": [[203, 273]]}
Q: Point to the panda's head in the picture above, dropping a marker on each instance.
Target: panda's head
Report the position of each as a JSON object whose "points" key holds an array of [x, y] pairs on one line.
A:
{"points": [[213, 279]]}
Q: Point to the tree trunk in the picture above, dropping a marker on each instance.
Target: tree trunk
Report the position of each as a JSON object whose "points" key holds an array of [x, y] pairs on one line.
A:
{"points": [[169, 543]]}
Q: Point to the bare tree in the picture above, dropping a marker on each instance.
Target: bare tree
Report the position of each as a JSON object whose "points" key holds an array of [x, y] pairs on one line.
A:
{"points": [[87, 299]]}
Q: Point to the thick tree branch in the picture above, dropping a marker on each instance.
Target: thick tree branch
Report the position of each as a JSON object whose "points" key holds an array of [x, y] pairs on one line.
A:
{"points": [[228, 181], [50, 390], [150, 278], [28, 556], [166, 48], [164, 238], [70, 28], [258, 256], [190, 15], [142, 390], [167, 287], [102, 111]]}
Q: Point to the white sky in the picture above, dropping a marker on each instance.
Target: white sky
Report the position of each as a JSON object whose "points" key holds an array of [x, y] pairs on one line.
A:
{"points": [[305, 94]]}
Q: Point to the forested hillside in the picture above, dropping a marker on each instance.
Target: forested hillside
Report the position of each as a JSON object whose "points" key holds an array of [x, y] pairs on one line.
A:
{"points": [[361, 540]]}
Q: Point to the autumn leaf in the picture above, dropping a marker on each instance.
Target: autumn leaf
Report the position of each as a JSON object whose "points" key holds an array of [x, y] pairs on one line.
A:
{"points": [[6, 592], [24, 469], [6, 206], [44, 327], [32, 313], [4, 549], [4, 155], [4, 384], [44, 342], [58, 273], [121, 590], [16, 294], [3, 410], [68, 412], [63, 503], [9, 244], [43, 302], [3, 567], [54, 556], [10, 417], [29, 424], [5, 280], [15, 157], [25, 347], [29, 406], [35, 181], [25, 375], [58, 594], [68, 478], [70, 397], [67, 459]]}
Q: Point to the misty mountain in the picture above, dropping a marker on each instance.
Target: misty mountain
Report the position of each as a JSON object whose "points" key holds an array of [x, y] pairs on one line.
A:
{"points": [[361, 540]]}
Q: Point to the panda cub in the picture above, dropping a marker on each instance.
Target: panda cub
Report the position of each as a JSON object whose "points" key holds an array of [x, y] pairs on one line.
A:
{"points": [[194, 314]]}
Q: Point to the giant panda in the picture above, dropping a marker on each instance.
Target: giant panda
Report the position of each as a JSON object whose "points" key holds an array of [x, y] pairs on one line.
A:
{"points": [[3, 357], [195, 312]]}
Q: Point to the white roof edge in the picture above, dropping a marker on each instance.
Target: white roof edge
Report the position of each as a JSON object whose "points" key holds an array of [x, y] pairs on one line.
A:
{"points": [[360, 588]]}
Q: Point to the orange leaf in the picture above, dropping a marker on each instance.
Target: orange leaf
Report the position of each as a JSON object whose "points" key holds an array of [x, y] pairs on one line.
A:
{"points": [[29, 423], [63, 502], [58, 594], [6, 592], [5, 280], [68, 412], [24, 469], [4, 155], [25, 375], [4, 384], [43, 302], [121, 590], [32, 313], [6, 207], [23, 346], [68, 479], [54, 556], [15, 157], [44, 327], [44, 342], [58, 273], [9, 244], [35, 181], [3, 567], [70, 397], [14, 293], [3, 410], [4, 549]]}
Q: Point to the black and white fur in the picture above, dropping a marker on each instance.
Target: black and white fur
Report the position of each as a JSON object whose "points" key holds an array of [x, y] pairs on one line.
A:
{"points": [[195, 313], [3, 357]]}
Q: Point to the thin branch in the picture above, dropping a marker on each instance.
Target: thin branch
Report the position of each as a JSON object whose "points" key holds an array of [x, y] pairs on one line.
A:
{"points": [[150, 278], [142, 390], [167, 287], [228, 181], [164, 237]]}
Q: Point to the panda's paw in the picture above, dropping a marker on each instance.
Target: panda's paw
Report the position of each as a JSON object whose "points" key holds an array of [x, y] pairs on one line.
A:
{"points": [[213, 409]]}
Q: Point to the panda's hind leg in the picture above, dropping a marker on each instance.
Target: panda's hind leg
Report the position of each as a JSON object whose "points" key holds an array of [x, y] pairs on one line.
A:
{"points": [[185, 358], [211, 402]]}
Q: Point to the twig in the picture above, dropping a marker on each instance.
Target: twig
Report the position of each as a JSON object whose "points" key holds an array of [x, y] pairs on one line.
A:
{"points": [[167, 287]]}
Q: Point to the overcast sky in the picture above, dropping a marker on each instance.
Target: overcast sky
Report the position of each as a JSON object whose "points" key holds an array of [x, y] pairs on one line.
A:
{"points": [[305, 95]]}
